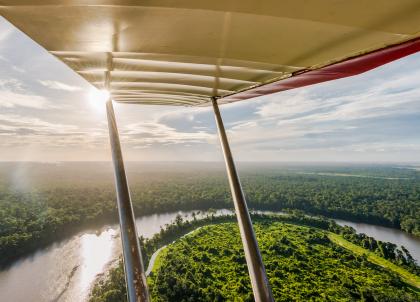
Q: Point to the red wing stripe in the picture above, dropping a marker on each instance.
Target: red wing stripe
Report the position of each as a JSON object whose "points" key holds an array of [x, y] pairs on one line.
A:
{"points": [[346, 68]]}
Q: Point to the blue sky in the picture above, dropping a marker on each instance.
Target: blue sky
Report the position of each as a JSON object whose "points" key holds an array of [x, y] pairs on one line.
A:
{"points": [[46, 115]]}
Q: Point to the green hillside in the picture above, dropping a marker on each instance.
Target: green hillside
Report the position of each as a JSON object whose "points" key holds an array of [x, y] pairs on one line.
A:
{"points": [[303, 263]]}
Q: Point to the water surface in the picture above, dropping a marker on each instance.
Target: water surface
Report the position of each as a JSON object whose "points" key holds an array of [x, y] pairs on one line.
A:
{"points": [[65, 271], [398, 237]]}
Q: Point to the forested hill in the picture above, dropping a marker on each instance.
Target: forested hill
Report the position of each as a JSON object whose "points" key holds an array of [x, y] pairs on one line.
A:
{"points": [[40, 202], [306, 258], [302, 264]]}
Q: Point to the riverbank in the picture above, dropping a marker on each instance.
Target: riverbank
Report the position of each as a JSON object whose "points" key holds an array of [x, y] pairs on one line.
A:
{"points": [[168, 251], [13, 249], [404, 274], [44, 273], [337, 239], [156, 254]]}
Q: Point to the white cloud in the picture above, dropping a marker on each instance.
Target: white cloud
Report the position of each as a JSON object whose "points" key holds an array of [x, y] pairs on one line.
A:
{"points": [[10, 99], [18, 69], [148, 133], [13, 94], [389, 98], [36, 124], [5, 32], [286, 105], [248, 125], [59, 85], [24, 131], [11, 84], [316, 118], [181, 113]]}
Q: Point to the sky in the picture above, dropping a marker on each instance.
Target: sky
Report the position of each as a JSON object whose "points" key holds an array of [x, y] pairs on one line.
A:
{"points": [[46, 115]]}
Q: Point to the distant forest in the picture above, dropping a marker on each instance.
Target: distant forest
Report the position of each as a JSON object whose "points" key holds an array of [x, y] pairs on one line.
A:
{"points": [[41, 203]]}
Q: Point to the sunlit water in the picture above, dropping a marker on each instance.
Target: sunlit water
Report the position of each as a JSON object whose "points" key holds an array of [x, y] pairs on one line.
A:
{"points": [[66, 271]]}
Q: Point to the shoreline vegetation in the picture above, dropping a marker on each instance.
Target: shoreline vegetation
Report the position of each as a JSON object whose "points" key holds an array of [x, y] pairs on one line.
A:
{"points": [[366, 249], [412, 278], [46, 203]]}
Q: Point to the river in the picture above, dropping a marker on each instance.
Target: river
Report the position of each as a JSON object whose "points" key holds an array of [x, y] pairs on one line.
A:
{"points": [[65, 271], [398, 237]]}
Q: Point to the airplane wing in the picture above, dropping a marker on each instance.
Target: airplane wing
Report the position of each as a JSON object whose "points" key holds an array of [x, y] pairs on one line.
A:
{"points": [[187, 52]]}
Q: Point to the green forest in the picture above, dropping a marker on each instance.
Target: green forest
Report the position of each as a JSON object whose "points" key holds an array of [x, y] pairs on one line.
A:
{"points": [[41, 203], [304, 262]]}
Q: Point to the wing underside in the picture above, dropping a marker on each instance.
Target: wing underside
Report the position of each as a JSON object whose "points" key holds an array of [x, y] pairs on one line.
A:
{"points": [[187, 52]]}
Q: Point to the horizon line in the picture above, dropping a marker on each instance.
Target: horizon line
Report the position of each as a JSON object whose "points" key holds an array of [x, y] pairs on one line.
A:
{"points": [[216, 161]]}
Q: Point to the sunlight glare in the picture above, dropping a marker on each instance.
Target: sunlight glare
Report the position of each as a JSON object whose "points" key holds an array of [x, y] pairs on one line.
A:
{"points": [[96, 251], [98, 98]]}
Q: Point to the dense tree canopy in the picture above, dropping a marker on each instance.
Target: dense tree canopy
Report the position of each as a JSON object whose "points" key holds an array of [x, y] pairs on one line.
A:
{"points": [[40, 203], [302, 263]]}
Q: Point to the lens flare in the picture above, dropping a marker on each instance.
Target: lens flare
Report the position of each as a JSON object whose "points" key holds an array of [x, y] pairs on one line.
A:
{"points": [[98, 96], [97, 99]]}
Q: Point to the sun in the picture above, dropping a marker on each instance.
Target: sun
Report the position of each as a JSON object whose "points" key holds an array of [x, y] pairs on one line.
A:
{"points": [[97, 98]]}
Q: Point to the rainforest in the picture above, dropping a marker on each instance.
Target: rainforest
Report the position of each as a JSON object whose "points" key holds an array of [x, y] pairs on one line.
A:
{"points": [[307, 259], [55, 200], [308, 256]]}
